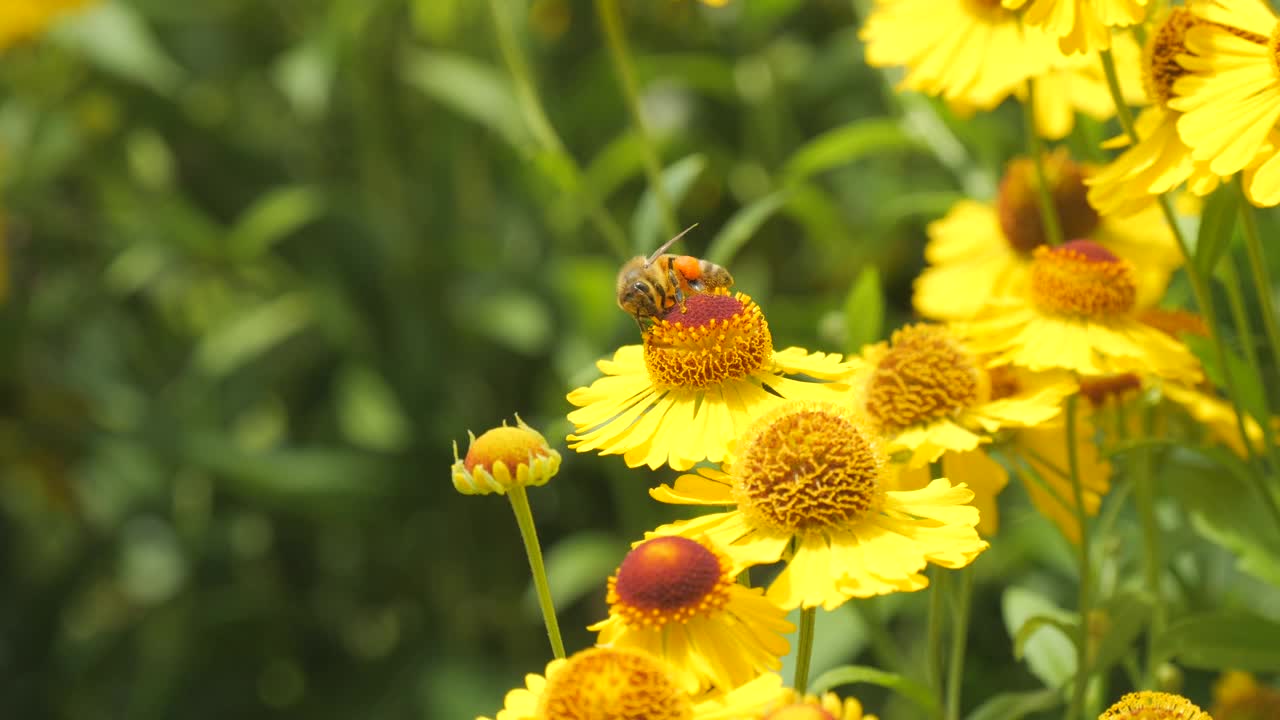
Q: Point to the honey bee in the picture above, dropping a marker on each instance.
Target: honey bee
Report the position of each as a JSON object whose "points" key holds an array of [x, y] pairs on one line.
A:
{"points": [[649, 286]]}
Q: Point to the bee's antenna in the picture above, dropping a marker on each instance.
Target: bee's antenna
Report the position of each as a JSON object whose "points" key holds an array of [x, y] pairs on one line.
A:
{"points": [[667, 244]]}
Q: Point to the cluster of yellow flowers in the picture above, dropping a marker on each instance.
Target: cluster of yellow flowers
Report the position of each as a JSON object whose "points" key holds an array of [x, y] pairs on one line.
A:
{"points": [[1042, 319]]}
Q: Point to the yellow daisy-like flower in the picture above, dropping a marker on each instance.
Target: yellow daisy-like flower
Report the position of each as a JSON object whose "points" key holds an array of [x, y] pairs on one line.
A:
{"points": [[812, 707], [981, 252], [809, 485], [1160, 161], [1230, 98], [1149, 705], [1078, 315], [502, 458], [616, 684], [1238, 696], [679, 599], [704, 373], [1080, 25], [1076, 84], [971, 52], [26, 18]]}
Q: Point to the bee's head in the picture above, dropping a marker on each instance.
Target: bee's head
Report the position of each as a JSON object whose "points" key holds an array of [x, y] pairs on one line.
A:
{"points": [[636, 292]]}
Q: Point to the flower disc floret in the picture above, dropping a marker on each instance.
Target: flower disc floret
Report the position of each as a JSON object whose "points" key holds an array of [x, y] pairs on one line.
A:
{"points": [[924, 375], [806, 467], [611, 684], [1160, 66], [800, 711], [1149, 705], [668, 580], [502, 458], [1018, 202], [713, 338], [1082, 278]]}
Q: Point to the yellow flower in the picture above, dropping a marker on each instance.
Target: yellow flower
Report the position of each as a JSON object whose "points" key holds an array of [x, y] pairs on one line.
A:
{"points": [[1230, 99], [1078, 314], [1080, 25], [612, 684], [21, 19], [982, 252], [809, 484], [812, 707], [679, 599], [1076, 83], [1238, 696], [502, 458], [1149, 705], [700, 378], [1160, 161], [971, 52]]}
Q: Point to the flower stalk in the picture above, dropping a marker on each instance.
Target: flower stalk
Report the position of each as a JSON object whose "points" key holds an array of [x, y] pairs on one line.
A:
{"points": [[804, 649], [1035, 148], [524, 519]]}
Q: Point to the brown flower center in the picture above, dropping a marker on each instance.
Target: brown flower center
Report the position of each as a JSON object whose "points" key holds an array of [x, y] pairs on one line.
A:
{"points": [[714, 338], [613, 684], [669, 579], [1018, 202], [1148, 705], [1081, 278], [925, 375]]}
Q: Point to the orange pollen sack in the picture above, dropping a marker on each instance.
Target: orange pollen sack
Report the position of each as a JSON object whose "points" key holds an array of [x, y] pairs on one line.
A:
{"points": [[714, 338], [688, 266], [669, 579], [1083, 279]]}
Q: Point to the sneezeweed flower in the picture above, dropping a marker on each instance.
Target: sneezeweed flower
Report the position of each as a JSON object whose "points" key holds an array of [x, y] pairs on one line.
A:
{"points": [[1080, 25], [1076, 84], [981, 252], [1149, 705], [810, 484], [1160, 161], [703, 374], [502, 458], [1078, 314], [617, 684], [812, 707], [1230, 97], [970, 52], [22, 20], [1238, 696], [679, 599]]}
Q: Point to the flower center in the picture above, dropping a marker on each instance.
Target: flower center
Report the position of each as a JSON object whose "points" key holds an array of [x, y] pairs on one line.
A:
{"points": [[1018, 202], [1098, 390], [1004, 382], [510, 445], [924, 376], [1082, 278], [806, 467], [990, 10], [1148, 705], [669, 579], [800, 711], [612, 684], [714, 338], [1160, 57]]}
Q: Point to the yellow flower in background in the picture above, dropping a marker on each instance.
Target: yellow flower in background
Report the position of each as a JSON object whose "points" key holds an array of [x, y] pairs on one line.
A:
{"points": [[1238, 696], [1078, 314], [678, 599], [809, 485], [811, 707], [981, 252], [1230, 98], [1149, 705], [701, 377], [614, 683], [971, 52], [1076, 84], [1160, 161], [21, 19], [1080, 25]]}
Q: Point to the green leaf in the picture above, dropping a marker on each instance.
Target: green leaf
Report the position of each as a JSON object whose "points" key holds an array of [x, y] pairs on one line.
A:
{"points": [[904, 686], [1248, 385], [274, 216], [744, 223], [1217, 226], [251, 333], [1015, 705], [1222, 639], [114, 37], [368, 412], [575, 566], [1127, 616], [846, 144], [709, 74], [1050, 656], [618, 162], [646, 224], [473, 89], [864, 310], [1066, 628]]}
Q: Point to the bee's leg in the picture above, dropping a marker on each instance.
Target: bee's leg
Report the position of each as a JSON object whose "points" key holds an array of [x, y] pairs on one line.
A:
{"points": [[639, 323], [675, 283]]}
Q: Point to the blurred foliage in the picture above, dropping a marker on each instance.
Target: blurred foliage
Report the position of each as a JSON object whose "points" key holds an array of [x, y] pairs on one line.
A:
{"points": [[263, 262]]}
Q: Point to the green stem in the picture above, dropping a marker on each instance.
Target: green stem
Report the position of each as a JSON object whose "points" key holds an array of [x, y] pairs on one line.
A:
{"points": [[611, 21], [1035, 148], [524, 518], [804, 649], [1258, 269], [1077, 492], [1244, 329], [1145, 496], [544, 133], [959, 638], [937, 586]]}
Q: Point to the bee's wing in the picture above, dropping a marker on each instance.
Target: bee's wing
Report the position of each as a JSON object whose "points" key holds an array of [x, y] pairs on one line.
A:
{"points": [[658, 253]]}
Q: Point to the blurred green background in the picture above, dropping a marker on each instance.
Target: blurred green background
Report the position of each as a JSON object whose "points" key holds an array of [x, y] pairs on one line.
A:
{"points": [[263, 262]]}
